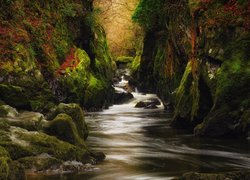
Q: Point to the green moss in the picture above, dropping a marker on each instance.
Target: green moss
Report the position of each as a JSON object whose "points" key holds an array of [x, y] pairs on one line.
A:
{"points": [[14, 96], [27, 120], [38, 143], [39, 163], [41, 103], [64, 128], [135, 63], [4, 163], [76, 113], [124, 59], [74, 82], [148, 11], [7, 111], [95, 93], [8, 168], [182, 97], [195, 97]]}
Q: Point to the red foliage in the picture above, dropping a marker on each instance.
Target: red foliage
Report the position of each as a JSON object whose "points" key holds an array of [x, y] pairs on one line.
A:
{"points": [[233, 7], [71, 62], [35, 22], [49, 32], [3, 31]]}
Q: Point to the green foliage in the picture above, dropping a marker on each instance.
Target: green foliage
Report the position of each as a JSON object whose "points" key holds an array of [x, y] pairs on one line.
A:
{"points": [[124, 59], [95, 92], [149, 13], [135, 63]]}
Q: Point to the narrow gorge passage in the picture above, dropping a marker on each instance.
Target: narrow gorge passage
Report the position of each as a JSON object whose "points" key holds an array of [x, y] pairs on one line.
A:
{"points": [[139, 144], [125, 90]]}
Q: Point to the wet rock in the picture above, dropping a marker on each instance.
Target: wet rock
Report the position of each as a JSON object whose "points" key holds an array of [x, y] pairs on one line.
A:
{"points": [[76, 113], [169, 106], [155, 101], [40, 162], [74, 167], [22, 143], [151, 106], [64, 128], [122, 97], [140, 104], [31, 121], [148, 104], [99, 156]]}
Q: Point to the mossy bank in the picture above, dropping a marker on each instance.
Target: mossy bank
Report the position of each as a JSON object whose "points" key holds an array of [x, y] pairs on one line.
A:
{"points": [[53, 52], [197, 61]]}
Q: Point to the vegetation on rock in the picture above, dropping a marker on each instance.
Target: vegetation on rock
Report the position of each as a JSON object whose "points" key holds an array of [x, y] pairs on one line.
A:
{"points": [[193, 58]]}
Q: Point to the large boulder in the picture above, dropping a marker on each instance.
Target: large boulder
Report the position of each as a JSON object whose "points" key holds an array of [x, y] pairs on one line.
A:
{"points": [[21, 143], [64, 128], [122, 97], [151, 103], [77, 115]]}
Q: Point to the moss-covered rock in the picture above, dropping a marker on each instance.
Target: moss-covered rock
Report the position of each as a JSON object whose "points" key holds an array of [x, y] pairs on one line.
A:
{"points": [[8, 168], [193, 100], [22, 143], [4, 167], [64, 128], [31, 121], [14, 96], [124, 60], [40, 162], [232, 93], [49, 58], [96, 93], [76, 113], [7, 111]]}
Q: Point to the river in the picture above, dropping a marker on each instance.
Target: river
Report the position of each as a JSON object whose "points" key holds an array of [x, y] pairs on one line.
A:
{"points": [[140, 145]]}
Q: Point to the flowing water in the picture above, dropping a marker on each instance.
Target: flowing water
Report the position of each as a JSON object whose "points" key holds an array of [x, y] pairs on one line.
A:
{"points": [[140, 144]]}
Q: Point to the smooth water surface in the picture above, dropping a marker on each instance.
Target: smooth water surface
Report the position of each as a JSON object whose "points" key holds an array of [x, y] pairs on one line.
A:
{"points": [[140, 144]]}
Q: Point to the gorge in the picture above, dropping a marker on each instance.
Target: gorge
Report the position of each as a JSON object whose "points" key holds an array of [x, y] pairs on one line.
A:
{"points": [[129, 89]]}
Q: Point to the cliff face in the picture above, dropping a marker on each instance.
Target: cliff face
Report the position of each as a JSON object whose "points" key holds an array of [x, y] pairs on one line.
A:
{"points": [[53, 51], [197, 61]]}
